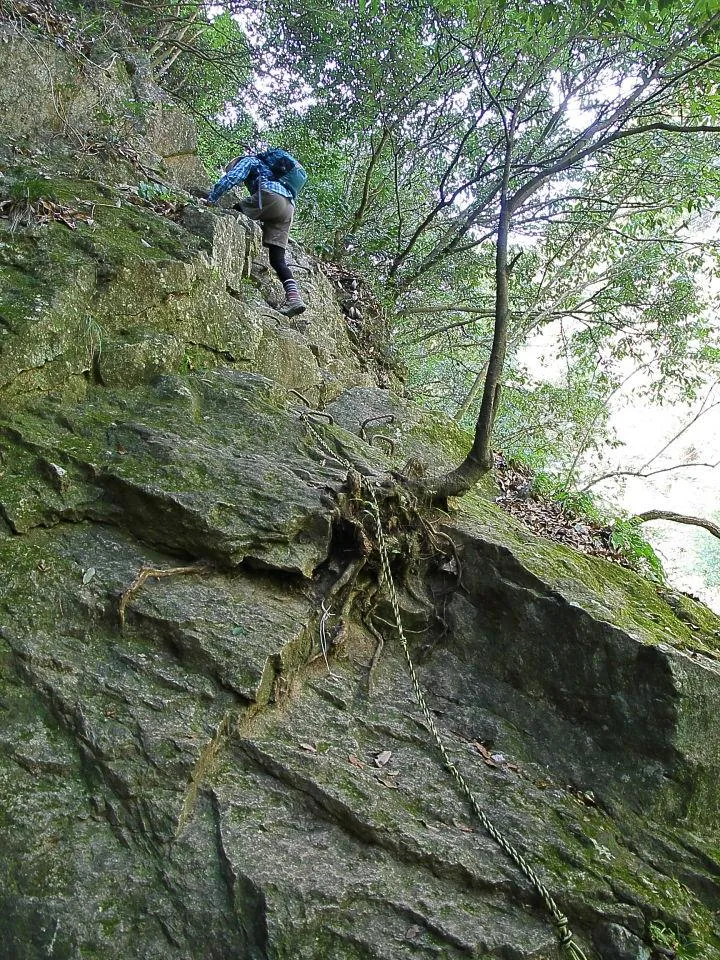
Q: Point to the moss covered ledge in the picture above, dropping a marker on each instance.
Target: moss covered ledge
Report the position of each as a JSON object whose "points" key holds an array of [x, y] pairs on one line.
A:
{"points": [[650, 613], [576, 645]]}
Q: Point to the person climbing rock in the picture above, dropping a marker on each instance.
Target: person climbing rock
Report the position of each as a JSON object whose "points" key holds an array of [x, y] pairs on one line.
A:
{"points": [[274, 179]]}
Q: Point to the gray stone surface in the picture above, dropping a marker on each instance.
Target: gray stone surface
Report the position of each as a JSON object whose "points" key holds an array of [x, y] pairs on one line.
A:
{"points": [[617, 943], [172, 134], [216, 777], [45, 91], [208, 752], [128, 363], [193, 468]]}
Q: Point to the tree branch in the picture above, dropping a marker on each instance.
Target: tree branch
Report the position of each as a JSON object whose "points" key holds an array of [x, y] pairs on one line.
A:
{"points": [[650, 473], [712, 528]]}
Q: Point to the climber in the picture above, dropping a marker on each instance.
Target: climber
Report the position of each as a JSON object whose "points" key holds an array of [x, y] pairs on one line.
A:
{"points": [[274, 179]]}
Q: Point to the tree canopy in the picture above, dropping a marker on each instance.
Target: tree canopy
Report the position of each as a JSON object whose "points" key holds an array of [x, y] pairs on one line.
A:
{"points": [[498, 170], [510, 166]]}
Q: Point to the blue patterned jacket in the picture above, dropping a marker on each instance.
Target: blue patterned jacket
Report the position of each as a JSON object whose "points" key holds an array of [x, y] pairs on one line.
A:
{"points": [[254, 174]]}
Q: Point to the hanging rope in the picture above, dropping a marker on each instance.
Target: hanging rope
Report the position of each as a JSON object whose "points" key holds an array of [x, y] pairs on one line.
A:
{"points": [[565, 936]]}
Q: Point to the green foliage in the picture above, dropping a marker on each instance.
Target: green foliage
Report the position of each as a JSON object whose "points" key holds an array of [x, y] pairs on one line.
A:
{"points": [[155, 191], [210, 78], [401, 114], [217, 143], [581, 505], [27, 189], [626, 537], [683, 947], [545, 425]]}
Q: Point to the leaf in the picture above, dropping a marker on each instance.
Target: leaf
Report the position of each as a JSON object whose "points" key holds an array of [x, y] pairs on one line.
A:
{"points": [[309, 747], [355, 762], [382, 759], [88, 575], [485, 754]]}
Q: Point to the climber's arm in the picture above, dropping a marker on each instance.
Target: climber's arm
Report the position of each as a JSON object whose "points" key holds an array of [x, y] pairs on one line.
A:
{"points": [[233, 178]]}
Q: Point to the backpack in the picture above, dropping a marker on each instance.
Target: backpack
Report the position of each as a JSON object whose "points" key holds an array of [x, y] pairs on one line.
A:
{"points": [[285, 169]]}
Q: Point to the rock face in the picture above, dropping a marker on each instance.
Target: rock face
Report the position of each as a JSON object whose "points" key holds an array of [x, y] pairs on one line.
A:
{"points": [[199, 756], [46, 92], [127, 295]]}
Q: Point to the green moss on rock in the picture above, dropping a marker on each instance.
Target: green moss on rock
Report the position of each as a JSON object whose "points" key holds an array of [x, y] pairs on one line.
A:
{"points": [[605, 589]]}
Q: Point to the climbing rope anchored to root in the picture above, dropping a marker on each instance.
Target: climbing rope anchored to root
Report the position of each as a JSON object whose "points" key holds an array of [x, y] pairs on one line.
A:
{"points": [[565, 936]]}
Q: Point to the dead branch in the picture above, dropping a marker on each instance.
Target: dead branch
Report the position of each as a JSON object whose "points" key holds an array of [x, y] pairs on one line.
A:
{"points": [[642, 471], [649, 473], [704, 408]]}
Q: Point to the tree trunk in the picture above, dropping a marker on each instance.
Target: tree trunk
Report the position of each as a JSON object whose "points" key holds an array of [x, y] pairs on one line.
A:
{"points": [[479, 460]]}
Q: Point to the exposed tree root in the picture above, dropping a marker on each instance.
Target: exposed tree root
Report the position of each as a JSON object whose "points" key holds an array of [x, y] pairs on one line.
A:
{"points": [[415, 546], [376, 656], [347, 579], [145, 574]]}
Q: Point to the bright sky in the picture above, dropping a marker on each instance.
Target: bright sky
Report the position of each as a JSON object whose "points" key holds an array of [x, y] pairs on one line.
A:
{"points": [[691, 556]]}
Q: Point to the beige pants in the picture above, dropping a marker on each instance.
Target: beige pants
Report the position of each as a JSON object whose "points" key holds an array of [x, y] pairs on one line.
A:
{"points": [[276, 217]]}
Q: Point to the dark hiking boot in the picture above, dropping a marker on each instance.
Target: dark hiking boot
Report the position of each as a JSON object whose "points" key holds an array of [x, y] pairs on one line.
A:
{"points": [[293, 304]]}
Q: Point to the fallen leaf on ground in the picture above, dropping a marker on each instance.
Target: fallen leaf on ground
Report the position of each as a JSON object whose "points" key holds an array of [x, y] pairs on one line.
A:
{"points": [[548, 518], [355, 762], [382, 758], [309, 747], [485, 754]]}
